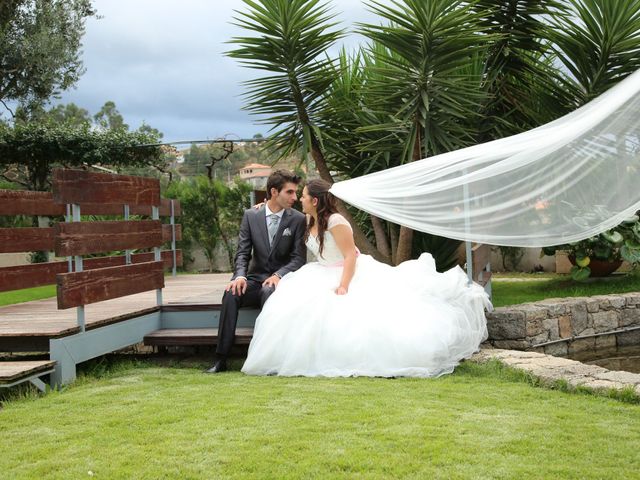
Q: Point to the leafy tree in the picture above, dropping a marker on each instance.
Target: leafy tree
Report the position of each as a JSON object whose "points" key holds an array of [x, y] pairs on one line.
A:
{"points": [[434, 77], [109, 118], [40, 44], [291, 38], [212, 212], [29, 151]]}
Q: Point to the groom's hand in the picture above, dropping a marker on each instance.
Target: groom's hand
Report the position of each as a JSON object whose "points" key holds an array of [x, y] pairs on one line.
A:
{"points": [[238, 286], [272, 281]]}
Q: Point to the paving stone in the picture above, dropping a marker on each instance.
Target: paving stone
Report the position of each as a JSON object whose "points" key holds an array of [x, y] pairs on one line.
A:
{"points": [[621, 377]]}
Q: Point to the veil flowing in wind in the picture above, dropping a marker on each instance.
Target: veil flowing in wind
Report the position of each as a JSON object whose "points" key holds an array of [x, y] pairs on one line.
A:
{"points": [[565, 181]]}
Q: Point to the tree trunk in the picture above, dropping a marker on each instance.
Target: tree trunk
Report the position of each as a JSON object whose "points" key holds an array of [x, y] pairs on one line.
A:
{"points": [[382, 242], [405, 240]]}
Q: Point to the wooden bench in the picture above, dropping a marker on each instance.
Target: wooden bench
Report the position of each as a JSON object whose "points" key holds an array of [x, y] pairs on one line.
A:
{"points": [[83, 281], [193, 336], [14, 373]]}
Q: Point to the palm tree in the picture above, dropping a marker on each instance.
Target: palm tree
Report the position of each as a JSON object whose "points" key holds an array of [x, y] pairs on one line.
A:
{"points": [[292, 36]]}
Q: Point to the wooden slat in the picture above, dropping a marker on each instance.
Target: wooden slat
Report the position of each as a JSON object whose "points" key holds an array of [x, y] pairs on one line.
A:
{"points": [[486, 277], [13, 371], [80, 186], [33, 275], [24, 202], [38, 274], [194, 336], [91, 286], [27, 239], [119, 260], [166, 232], [81, 238]]}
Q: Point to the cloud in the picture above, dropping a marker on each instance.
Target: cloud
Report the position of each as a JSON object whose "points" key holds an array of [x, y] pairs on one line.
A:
{"points": [[163, 62]]}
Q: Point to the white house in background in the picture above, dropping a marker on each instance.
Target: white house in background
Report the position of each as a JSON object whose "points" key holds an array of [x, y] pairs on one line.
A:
{"points": [[256, 175]]}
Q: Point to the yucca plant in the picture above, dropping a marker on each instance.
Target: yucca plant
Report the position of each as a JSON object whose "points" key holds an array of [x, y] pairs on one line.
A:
{"points": [[290, 43]]}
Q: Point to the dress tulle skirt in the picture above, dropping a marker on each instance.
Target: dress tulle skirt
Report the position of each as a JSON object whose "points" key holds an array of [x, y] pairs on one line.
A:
{"points": [[407, 320]]}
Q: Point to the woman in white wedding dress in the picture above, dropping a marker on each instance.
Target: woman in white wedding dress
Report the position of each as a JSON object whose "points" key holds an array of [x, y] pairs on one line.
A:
{"points": [[350, 315]]}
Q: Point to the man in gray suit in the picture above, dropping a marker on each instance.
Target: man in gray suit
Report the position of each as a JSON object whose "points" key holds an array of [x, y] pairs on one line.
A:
{"points": [[270, 245]]}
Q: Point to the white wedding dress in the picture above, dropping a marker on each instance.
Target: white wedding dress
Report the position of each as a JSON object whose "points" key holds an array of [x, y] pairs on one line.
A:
{"points": [[407, 320]]}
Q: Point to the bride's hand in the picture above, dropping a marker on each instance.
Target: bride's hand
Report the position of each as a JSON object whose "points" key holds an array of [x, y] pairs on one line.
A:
{"points": [[341, 290], [258, 205]]}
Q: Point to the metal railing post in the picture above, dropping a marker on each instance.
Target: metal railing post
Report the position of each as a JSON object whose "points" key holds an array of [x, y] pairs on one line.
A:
{"points": [[78, 264], [155, 215]]}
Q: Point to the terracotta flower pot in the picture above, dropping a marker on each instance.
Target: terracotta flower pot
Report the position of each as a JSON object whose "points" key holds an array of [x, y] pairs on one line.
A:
{"points": [[600, 268]]}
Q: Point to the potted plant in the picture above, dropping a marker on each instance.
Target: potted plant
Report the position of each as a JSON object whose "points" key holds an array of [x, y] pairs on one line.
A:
{"points": [[603, 254]]}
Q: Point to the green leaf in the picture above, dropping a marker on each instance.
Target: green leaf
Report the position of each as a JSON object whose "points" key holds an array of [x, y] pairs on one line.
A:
{"points": [[580, 274]]}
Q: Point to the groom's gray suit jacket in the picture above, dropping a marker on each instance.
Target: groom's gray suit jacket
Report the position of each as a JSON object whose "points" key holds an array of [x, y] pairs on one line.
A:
{"points": [[255, 260]]}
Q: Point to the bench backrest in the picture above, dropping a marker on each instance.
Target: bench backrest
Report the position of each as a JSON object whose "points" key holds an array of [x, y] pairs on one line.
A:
{"points": [[92, 194]]}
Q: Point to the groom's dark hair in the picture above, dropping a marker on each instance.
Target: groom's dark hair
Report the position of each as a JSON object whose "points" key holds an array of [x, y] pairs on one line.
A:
{"points": [[278, 178]]}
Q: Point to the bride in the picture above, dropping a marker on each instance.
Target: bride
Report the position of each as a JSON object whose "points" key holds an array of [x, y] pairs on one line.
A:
{"points": [[350, 315]]}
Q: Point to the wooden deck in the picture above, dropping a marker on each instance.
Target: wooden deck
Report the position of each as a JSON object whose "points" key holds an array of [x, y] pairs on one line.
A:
{"points": [[14, 371], [42, 318]]}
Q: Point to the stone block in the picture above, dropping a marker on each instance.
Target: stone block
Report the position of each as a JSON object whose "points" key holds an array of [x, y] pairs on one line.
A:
{"points": [[512, 344], [551, 325], [564, 325], [540, 338], [604, 303], [579, 319], [593, 305], [506, 325], [581, 345], [556, 308], [557, 349], [617, 302], [629, 317], [534, 328], [632, 299], [604, 321], [606, 342], [629, 338], [534, 312]]}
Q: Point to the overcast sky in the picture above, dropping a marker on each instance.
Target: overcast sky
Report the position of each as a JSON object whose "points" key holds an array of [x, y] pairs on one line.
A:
{"points": [[162, 62]]}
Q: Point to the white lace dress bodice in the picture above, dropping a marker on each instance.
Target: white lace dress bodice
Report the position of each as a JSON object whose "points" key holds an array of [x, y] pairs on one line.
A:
{"points": [[331, 254]]}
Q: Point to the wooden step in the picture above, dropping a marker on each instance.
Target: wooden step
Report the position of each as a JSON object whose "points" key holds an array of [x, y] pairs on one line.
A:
{"points": [[12, 373], [194, 336]]}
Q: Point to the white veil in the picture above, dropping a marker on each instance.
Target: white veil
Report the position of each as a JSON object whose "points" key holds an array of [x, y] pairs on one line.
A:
{"points": [[562, 182]]}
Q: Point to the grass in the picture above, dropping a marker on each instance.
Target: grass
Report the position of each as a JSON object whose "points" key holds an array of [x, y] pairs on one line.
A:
{"points": [[557, 286], [484, 421], [27, 294]]}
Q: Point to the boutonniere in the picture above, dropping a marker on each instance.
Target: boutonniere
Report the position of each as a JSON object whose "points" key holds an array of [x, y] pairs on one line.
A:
{"points": [[287, 232]]}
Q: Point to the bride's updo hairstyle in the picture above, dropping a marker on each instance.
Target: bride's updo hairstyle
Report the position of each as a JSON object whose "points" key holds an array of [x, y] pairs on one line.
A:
{"points": [[319, 189]]}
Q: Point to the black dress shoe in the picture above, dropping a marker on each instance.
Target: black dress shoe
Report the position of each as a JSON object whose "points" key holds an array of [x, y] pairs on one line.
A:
{"points": [[219, 366]]}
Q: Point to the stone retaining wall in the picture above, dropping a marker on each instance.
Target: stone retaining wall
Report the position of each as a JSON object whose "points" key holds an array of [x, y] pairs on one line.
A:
{"points": [[525, 326]]}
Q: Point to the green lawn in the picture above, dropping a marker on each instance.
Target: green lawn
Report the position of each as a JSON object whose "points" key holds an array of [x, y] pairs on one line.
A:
{"points": [[27, 294], [484, 421], [557, 286]]}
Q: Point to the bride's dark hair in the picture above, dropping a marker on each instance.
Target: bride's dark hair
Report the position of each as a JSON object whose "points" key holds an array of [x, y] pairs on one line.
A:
{"points": [[319, 189]]}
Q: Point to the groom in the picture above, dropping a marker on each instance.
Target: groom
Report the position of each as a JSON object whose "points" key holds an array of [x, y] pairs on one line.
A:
{"points": [[270, 245]]}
